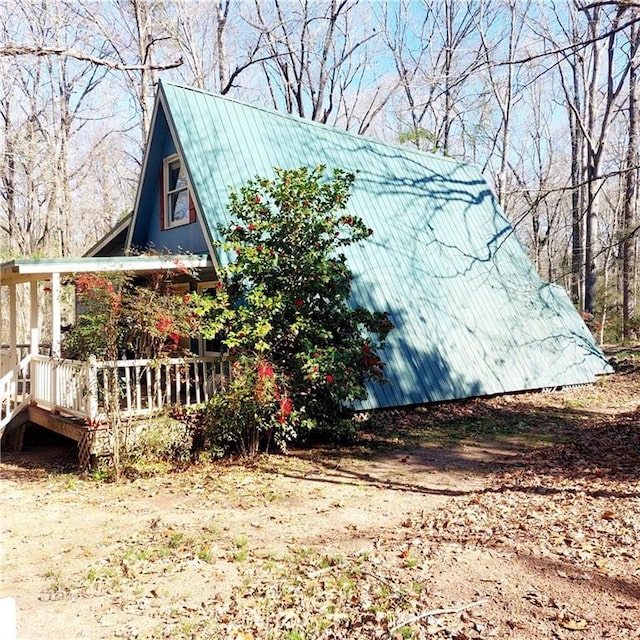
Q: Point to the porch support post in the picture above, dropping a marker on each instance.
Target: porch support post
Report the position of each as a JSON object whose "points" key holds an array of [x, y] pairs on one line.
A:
{"points": [[3, 320], [92, 407], [13, 326], [34, 313], [56, 315]]}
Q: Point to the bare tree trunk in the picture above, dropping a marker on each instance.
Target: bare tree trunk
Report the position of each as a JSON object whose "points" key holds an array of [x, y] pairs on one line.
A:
{"points": [[222, 12], [148, 75], [448, 69], [503, 92], [631, 190], [593, 170], [8, 173], [577, 225]]}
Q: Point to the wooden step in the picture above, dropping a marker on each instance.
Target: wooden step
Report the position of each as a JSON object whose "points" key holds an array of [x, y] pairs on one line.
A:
{"points": [[64, 425]]}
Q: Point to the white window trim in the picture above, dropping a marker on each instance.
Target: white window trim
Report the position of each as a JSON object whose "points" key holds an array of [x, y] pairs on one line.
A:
{"points": [[168, 223]]}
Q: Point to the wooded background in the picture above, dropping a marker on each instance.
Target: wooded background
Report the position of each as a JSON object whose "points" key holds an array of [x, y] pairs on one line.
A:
{"points": [[542, 95]]}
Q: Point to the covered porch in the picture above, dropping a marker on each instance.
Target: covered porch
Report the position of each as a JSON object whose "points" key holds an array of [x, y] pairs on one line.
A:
{"points": [[71, 396]]}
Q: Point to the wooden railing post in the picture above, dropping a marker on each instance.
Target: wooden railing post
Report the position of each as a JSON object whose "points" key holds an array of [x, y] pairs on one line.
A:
{"points": [[53, 385], [92, 391]]}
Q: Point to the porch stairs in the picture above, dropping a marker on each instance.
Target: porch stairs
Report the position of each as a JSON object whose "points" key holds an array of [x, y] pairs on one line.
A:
{"points": [[17, 408], [14, 392]]}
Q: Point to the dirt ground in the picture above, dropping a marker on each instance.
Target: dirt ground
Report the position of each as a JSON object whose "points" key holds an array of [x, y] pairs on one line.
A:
{"points": [[515, 517]]}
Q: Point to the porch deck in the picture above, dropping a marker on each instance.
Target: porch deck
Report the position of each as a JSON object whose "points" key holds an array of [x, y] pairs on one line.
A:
{"points": [[73, 398]]}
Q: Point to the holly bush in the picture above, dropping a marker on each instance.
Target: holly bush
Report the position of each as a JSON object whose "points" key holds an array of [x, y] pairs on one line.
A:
{"points": [[282, 304]]}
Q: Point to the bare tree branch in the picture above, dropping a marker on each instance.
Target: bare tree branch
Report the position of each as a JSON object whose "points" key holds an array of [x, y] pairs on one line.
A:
{"points": [[27, 50], [574, 47]]}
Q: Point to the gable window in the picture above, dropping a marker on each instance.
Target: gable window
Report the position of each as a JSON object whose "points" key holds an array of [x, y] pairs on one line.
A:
{"points": [[177, 209]]}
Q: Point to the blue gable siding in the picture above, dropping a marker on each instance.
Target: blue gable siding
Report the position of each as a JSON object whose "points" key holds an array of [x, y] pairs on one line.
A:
{"points": [[147, 233]]}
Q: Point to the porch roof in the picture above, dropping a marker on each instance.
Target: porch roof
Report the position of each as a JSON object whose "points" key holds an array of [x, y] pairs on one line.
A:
{"points": [[29, 269]]}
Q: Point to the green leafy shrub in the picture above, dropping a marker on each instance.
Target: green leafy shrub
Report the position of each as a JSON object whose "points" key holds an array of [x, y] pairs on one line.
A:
{"points": [[283, 303], [161, 438], [251, 413]]}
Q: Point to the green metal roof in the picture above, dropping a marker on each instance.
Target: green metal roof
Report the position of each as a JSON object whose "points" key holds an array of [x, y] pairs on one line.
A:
{"points": [[472, 316]]}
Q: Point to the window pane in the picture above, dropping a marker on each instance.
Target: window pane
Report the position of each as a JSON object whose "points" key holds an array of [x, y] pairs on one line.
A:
{"points": [[179, 206], [177, 179]]}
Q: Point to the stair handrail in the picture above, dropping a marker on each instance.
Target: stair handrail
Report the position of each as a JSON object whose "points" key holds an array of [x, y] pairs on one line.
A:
{"points": [[9, 406]]}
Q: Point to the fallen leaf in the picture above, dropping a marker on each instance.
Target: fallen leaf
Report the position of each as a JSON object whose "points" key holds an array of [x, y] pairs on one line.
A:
{"points": [[574, 625]]}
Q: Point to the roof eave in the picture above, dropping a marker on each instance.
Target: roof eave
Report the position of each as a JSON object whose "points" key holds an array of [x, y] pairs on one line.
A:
{"points": [[119, 228], [29, 269]]}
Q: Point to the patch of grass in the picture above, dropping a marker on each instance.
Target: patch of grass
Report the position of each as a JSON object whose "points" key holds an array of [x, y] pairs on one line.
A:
{"points": [[141, 468], [106, 576], [100, 475], [624, 355], [331, 561], [176, 539], [418, 587], [346, 584], [71, 482], [56, 583], [494, 426], [411, 561], [302, 555], [212, 530], [204, 554], [466, 422], [167, 545], [241, 553]]}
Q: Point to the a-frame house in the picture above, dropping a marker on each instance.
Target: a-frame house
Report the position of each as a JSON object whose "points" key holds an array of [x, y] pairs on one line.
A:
{"points": [[472, 317]]}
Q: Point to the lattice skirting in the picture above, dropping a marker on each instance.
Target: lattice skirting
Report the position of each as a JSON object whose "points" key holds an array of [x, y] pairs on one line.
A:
{"points": [[85, 448]]}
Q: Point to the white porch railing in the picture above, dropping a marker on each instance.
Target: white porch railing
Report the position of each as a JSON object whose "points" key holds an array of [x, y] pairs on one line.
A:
{"points": [[14, 391], [82, 389], [21, 352]]}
